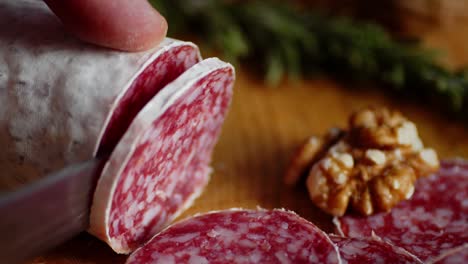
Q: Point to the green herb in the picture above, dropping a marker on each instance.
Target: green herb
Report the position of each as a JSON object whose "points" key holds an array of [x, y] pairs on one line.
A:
{"points": [[281, 40]]}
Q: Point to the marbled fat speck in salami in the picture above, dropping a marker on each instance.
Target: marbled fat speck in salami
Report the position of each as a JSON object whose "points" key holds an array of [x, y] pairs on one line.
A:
{"points": [[162, 162], [371, 250], [239, 236], [433, 222]]}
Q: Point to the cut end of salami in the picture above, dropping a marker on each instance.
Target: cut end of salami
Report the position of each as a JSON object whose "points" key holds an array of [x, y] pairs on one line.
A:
{"points": [[239, 236], [429, 225], [164, 66], [161, 164]]}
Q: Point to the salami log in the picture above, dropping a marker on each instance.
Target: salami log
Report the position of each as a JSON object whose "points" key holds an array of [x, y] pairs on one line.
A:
{"points": [[161, 163], [371, 250], [62, 100], [239, 236], [431, 224]]}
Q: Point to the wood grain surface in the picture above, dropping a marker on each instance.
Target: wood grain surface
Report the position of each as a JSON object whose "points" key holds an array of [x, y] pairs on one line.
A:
{"points": [[263, 128]]}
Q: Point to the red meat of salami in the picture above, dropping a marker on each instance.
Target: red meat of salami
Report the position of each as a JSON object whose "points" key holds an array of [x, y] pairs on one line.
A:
{"points": [[456, 256], [172, 61], [161, 164], [239, 236], [371, 250], [432, 223]]}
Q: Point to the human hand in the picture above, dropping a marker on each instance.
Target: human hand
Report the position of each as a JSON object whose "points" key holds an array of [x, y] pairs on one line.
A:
{"points": [[120, 24]]}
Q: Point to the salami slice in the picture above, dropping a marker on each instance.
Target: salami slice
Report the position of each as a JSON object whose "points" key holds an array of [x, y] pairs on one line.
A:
{"points": [[456, 256], [62, 99], [433, 222], [161, 163], [371, 250], [239, 236]]}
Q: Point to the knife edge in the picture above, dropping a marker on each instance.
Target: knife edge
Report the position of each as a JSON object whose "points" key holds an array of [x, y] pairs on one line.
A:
{"points": [[47, 212]]}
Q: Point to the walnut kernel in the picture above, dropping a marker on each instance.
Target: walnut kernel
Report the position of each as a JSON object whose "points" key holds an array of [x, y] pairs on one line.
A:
{"points": [[308, 153], [376, 157], [302, 159], [371, 168]]}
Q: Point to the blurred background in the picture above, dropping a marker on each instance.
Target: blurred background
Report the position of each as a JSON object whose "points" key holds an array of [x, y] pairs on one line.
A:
{"points": [[395, 43]]}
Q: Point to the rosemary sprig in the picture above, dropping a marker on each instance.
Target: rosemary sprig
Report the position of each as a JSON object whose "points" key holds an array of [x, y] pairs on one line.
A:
{"points": [[281, 40]]}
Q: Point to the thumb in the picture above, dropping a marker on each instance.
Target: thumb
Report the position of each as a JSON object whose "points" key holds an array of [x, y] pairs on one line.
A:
{"points": [[120, 24]]}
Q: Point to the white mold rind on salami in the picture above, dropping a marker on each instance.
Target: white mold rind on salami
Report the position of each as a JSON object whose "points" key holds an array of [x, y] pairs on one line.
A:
{"points": [[239, 236], [162, 162], [429, 225], [59, 95]]}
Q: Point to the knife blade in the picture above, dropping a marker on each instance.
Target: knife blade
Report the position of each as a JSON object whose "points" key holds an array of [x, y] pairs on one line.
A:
{"points": [[52, 210]]}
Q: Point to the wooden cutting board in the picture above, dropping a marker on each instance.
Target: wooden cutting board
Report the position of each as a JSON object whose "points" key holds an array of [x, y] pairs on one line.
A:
{"points": [[266, 124]]}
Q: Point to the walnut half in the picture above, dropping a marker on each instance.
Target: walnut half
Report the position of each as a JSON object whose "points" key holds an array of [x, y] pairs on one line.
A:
{"points": [[373, 167], [308, 153]]}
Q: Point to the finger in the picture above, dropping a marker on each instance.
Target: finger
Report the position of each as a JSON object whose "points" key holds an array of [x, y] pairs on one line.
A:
{"points": [[120, 24]]}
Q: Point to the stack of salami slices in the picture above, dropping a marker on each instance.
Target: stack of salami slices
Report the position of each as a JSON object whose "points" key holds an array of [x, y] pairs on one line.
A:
{"points": [[431, 227]]}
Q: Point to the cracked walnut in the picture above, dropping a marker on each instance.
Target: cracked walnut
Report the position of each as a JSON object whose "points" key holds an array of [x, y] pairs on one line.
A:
{"points": [[370, 168]]}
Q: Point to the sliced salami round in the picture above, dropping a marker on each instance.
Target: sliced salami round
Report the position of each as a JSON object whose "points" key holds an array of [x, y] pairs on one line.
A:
{"points": [[162, 162], [455, 256], [239, 236], [433, 222], [371, 250], [62, 100]]}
